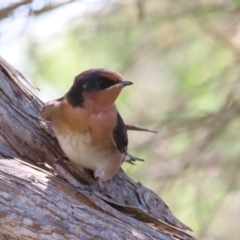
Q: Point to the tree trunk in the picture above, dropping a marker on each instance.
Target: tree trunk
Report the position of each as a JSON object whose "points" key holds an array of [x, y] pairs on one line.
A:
{"points": [[37, 203]]}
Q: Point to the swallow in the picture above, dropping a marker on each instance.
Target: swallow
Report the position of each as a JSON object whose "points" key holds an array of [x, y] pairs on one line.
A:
{"points": [[87, 124]]}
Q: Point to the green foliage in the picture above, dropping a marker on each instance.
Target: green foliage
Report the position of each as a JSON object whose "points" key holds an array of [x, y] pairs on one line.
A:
{"points": [[183, 60]]}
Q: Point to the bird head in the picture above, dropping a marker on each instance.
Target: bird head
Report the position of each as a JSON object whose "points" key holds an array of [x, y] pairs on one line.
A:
{"points": [[96, 89]]}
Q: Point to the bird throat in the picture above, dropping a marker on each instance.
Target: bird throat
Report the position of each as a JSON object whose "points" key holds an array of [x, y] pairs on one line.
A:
{"points": [[100, 101]]}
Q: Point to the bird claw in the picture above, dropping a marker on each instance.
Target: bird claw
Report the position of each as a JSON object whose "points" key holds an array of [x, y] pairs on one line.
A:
{"points": [[93, 187], [90, 188], [131, 159], [60, 158]]}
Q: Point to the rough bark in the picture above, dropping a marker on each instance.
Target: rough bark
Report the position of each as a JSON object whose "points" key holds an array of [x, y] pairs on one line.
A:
{"points": [[36, 203]]}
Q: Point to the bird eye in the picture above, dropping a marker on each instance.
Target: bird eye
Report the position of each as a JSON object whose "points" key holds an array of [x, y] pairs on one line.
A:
{"points": [[101, 83]]}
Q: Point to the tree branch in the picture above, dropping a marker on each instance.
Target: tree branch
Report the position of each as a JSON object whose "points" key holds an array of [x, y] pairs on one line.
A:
{"points": [[34, 201]]}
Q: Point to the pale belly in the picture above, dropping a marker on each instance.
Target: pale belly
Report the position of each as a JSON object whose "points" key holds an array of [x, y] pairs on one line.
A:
{"points": [[78, 148]]}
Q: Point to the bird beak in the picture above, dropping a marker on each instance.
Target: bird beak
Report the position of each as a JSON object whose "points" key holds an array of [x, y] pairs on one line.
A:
{"points": [[120, 84], [125, 83]]}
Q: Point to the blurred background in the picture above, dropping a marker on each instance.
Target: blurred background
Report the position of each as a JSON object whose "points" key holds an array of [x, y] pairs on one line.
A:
{"points": [[183, 57]]}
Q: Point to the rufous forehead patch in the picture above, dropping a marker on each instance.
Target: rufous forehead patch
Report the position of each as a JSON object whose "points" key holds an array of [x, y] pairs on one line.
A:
{"points": [[111, 75]]}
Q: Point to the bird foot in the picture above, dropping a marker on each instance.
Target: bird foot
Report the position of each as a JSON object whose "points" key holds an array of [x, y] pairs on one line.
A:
{"points": [[60, 158], [131, 159], [93, 187]]}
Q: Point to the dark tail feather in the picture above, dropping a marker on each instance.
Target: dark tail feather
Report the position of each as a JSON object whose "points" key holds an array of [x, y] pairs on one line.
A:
{"points": [[135, 128]]}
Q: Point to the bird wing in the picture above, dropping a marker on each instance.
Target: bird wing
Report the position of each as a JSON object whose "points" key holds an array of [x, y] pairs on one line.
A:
{"points": [[120, 135], [48, 108], [135, 128]]}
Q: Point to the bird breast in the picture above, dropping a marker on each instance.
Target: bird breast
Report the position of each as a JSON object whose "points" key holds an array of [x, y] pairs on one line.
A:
{"points": [[87, 139], [77, 147]]}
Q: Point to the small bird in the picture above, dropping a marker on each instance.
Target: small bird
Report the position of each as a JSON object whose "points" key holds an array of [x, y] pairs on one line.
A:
{"points": [[87, 124]]}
